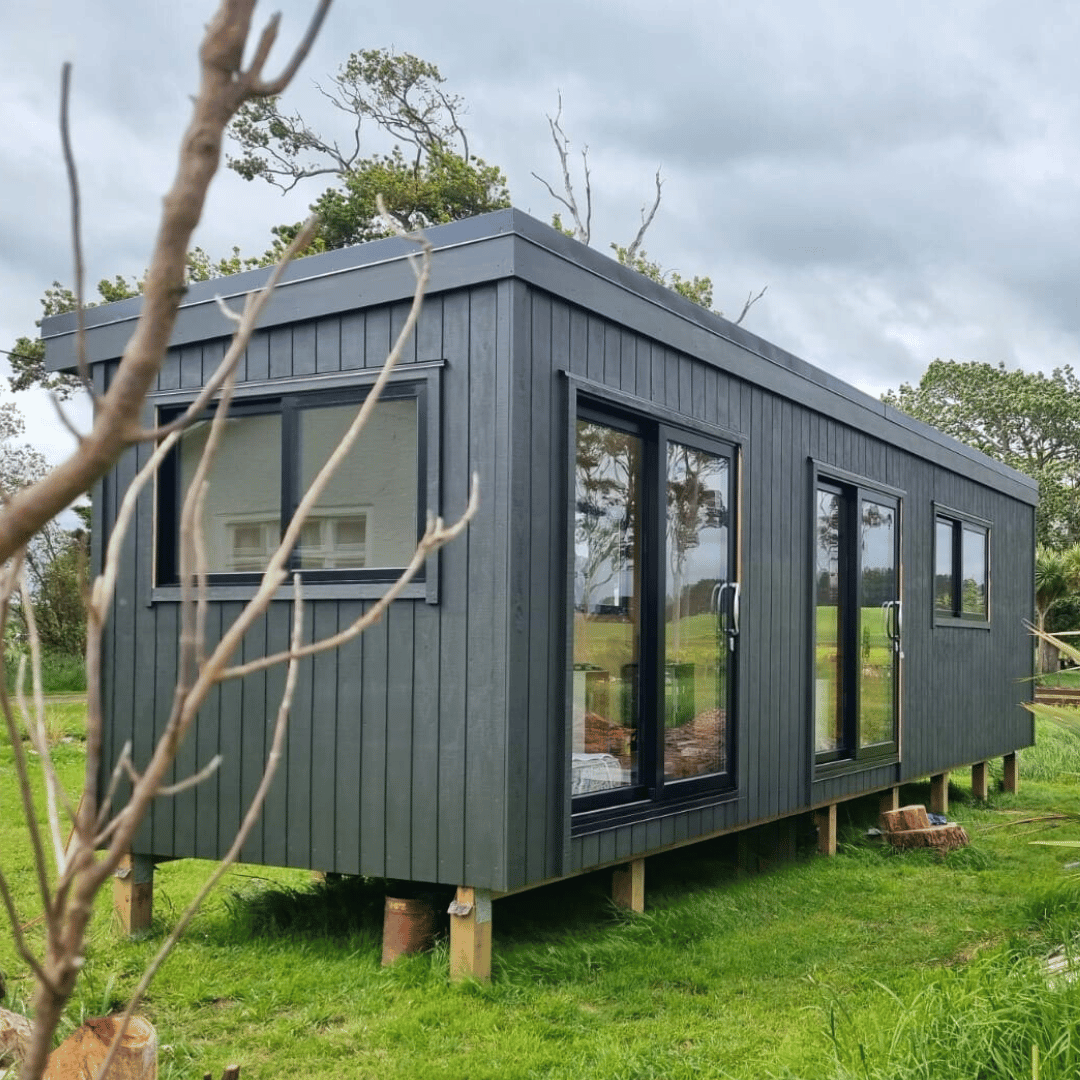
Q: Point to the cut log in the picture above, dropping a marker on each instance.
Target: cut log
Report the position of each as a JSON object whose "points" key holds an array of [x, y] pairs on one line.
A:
{"points": [[942, 837], [14, 1037], [83, 1051], [904, 819]]}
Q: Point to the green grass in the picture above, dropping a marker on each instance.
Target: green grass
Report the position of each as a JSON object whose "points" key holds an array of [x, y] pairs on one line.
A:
{"points": [[872, 964]]}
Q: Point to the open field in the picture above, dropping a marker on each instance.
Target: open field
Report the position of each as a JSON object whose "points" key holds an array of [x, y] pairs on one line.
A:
{"points": [[871, 964]]}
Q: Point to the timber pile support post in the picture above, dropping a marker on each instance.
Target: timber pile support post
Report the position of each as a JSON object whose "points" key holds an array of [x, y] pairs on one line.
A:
{"points": [[826, 829], [890, 799], [470, 934], [939, 793], [1011, 781], [980, 780], [628, 886], [133, 893]]}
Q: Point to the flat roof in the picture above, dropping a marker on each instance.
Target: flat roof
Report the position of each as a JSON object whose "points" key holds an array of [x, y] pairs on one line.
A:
{"points": [[511, 244]]}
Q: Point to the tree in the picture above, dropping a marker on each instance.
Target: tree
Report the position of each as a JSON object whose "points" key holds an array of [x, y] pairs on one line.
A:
{"points": [[55, 558], [1027, 420], [428, 177], [27, 355]]}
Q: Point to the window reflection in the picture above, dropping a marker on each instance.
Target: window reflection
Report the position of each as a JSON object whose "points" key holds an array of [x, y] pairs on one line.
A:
{"points": [[829, 659], [696, 655], [607, 607]]}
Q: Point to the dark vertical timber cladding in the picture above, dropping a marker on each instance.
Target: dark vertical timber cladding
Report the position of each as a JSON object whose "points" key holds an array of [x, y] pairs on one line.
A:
{"points": [[348, 718], [165, 671], [559, 435], [526, 745], [142, 615], [256, 366], [424, 815], [205, 744], [191, 366], [429, 330], [373, 751], [454, 599], [399, 738], [489, 391], [125, 701], [254, 717], [303, 348], [328, 344], [757, 611], [281, 352], [230, 809], [352, 340], [275, 815], [399, 314], [376, 337], [545, 761], [299, 759], [325, 763]]}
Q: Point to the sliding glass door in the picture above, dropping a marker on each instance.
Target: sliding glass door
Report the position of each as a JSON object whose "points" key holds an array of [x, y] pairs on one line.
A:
{"points": [[656, 611]]}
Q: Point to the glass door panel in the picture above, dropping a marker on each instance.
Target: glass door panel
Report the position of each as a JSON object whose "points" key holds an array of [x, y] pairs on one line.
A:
{"points": [[879, 592], [699, 599], [829, 618], [607, 608]]}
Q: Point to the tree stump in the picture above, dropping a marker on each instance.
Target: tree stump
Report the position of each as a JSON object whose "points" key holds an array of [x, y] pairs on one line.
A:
{"points": [[904, 819], [14, 1037], [942, 837], [81, 1054]]}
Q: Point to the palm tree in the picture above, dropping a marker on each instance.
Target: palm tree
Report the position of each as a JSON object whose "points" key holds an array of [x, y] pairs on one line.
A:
{"points": [[1056, 575]]}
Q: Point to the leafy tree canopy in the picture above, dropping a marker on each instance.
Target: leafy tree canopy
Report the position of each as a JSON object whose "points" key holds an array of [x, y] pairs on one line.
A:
{"points": [[1027, 420]]}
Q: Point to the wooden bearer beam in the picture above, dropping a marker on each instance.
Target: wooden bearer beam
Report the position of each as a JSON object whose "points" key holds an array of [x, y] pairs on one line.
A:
{"points": [[133, 893], [1011, 782], [826, 829], [890, 799], [628, 885], [939, 793], [980, 780], [470, 934]]}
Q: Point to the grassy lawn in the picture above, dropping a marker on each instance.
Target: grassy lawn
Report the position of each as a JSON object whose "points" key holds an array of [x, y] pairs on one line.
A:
{"points": [[871, 964]]}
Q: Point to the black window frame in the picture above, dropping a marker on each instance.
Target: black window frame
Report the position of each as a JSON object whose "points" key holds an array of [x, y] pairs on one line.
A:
{"points": [[853, 490], [656, 428], [290, 399], [960, 522]]}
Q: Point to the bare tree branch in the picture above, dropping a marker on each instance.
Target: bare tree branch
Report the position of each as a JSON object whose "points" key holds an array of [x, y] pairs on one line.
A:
{"points": [[250, 818], [751, 300], [582, 225], [223, 89], [646, 221]]}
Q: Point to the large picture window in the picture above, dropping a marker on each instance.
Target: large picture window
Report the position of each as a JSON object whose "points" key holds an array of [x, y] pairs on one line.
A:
{"points": [[961, 568], [365, 523], [654, 612]]}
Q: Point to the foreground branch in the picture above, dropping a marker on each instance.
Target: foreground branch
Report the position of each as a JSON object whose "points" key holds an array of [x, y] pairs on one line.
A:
{"points": [[225, 86]]}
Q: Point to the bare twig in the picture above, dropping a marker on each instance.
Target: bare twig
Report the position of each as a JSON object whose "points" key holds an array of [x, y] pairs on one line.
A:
{"points": [[582, 224], [646, 221], [751, 300], [195, 779], [250, 818], [76, 233], [225, 86]]}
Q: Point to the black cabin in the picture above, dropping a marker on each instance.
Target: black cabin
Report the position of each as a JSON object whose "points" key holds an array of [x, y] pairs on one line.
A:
{"points": [[709, 586]]}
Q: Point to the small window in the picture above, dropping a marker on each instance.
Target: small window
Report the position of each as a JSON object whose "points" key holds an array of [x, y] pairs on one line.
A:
{"points": [[364, 525], [961, 569]]}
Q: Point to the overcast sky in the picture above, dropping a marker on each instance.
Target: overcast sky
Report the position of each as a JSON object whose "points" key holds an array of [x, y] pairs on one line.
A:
{"points": [[902, 177]]}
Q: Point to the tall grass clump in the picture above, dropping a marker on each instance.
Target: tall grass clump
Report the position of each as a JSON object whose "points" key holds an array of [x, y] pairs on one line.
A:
{"points": [[979, 1021], [61, 673]]}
